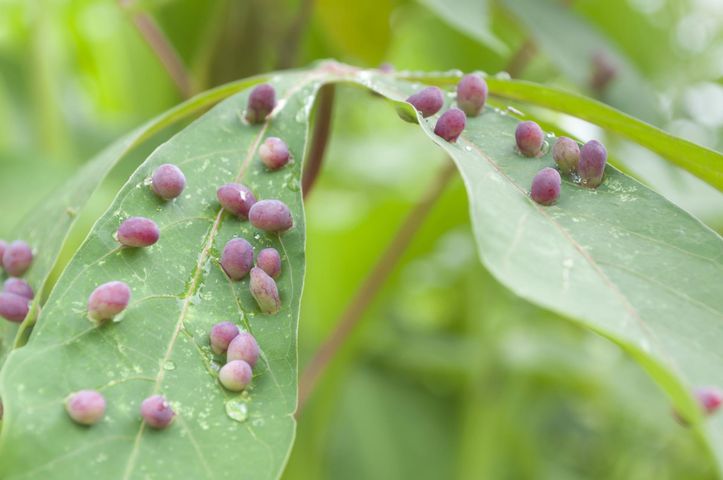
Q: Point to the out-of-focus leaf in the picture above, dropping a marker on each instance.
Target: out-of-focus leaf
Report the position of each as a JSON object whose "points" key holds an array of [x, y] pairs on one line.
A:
{"points": [[160, 344], [619, 259], [48, 226], [470, 17], [359, 29], [577, 47]]}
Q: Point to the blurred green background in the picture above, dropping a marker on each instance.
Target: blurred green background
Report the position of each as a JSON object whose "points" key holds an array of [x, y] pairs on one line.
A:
{"points": [[449, 375]]}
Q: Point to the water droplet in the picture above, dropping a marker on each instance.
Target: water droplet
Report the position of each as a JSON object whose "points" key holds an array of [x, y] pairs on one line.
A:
{"points": [[502, 76], [293, 185], [512, 109], [468, 148], [169, 365], [237, 410], [545, 148]]}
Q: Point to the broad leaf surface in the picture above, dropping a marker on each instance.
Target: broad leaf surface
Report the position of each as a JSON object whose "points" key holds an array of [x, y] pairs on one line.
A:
{"points": [[48, 226], [620, 259], [160, 344]]}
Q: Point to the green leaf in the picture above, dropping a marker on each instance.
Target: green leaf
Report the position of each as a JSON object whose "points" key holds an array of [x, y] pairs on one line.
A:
{"points": [[160, 343], [571, 43], [620, 259], [48, 226], [471, 17], [702, 162]]}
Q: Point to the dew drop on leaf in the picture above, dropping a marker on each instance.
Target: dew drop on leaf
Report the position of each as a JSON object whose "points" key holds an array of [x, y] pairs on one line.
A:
{"points": [[237, 410]]}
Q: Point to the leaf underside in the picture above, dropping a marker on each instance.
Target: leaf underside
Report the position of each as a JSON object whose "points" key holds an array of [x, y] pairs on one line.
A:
{"points": [[620, 260]]}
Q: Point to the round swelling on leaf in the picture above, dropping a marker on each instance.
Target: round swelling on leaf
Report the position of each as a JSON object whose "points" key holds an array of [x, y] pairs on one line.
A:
{"points": [[85, 407], [20, 287], [168, 181], [138, 232], [269, 261], [237, 258], [264, 290], [546, 186], [604, 71], [221, 336], [271, 216], [471, 94], [108, 300], [427, 101], [13, 307], [236, 199], [529, 138], [451, 124], [386, 67], [17, 258], [235, 375], [262, 101], [709, 398], [566, 153], [243, 347], [274, 153], [3, 247], [156, 412], [591, 166]]}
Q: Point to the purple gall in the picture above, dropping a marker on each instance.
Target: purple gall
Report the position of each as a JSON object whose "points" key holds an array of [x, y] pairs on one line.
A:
{"points": [[236, 375], [236, 199], [138, 232], [451, 124], [271, 216], [168, 181], [471, 94]]}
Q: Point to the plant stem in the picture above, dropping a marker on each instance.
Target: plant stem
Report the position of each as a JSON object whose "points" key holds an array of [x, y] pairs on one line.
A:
{"points": [[290, 45], [372, 284], [162, 48], [320, 138], [521, 58]]}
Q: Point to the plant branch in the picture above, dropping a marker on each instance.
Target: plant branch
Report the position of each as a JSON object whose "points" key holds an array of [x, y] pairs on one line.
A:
{"points": [[290, 45], [161, 47], [521, 58], [372, 284], [320, 138]]}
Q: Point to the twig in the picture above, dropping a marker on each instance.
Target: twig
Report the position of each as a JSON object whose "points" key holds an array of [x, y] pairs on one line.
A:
{"points": [[290, 45], [161, 46], [521, 58], [374, 281], [319, 139]]}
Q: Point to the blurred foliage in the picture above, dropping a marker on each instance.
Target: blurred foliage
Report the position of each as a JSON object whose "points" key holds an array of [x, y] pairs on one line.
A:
{"points": [[449, 376]]}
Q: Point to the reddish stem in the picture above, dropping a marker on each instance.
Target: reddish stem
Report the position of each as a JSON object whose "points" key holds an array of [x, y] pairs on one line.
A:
{"points": [[374, 281]]}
